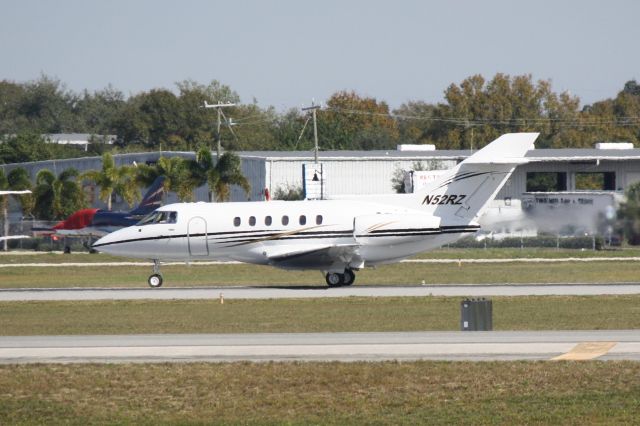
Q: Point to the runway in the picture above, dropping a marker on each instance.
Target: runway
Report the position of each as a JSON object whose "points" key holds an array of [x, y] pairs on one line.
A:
{"points": [[476, 346], [292, 292]]}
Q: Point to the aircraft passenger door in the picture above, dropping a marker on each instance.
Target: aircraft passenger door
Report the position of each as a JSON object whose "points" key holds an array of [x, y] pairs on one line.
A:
{"points": [[197, 237]]}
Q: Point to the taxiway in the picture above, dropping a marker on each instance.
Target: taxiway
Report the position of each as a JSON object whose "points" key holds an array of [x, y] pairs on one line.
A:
{"points": [[292, 292], [477, 346]]}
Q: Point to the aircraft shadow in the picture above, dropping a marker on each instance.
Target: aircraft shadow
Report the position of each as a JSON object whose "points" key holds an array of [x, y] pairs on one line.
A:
{"points": [[291, 287]]}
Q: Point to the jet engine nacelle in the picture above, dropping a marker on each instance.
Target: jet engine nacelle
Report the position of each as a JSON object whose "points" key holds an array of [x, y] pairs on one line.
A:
{"points": [[385, 229]]}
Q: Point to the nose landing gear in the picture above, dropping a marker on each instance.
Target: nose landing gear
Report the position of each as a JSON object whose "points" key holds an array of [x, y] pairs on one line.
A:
{"points": [[335, 279], [155, 280]]}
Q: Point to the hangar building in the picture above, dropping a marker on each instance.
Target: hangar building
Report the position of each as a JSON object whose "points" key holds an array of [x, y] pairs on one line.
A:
{"points": [[565, 191]]}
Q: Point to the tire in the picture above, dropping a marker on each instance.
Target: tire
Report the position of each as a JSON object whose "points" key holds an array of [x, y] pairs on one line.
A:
{"points": [[349, 277], [155, 281], [333, 279]]}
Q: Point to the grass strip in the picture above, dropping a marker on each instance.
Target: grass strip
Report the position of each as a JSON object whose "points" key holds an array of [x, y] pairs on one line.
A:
{"points": [[323, 393], [442, 253], [402, 274], [312, 315]]}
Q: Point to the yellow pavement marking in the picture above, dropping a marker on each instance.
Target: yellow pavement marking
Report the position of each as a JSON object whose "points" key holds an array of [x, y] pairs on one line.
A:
{"points": [[585, 351]]}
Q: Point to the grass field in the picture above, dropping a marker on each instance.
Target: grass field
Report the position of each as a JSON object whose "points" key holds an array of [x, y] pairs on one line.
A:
{"points": [[319, 393], [312, 315], [323, 393], [242, 274], [404, 274]]}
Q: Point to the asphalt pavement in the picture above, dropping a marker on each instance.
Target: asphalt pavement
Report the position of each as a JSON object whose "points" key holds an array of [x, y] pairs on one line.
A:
{"points": [[476, 346], [292, 292]]}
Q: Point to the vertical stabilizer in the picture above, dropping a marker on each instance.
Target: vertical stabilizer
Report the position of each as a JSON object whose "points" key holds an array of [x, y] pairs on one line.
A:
{"points": [[465, 191], [151, 200]]}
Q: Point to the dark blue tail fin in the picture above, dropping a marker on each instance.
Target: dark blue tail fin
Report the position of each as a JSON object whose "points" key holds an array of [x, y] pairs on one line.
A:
{"points": [[152, 199]]}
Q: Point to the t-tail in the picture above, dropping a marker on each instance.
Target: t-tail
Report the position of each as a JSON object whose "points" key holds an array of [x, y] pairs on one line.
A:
{"points": [[151, 200], [466, 190]]}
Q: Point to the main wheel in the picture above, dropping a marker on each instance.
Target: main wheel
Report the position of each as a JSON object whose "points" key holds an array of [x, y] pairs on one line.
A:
{"points": [[155, 280], [334, 279], [348, 277]]}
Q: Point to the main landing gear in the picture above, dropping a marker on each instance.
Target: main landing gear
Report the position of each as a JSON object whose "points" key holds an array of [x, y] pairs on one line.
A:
{"points": [[155, 280], [335, 279]]}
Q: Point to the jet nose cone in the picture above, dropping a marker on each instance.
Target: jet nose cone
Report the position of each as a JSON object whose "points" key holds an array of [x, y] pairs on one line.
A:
{"points": [[106, 244]]}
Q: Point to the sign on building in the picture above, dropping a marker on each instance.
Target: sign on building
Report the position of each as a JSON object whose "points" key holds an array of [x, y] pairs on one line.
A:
{"points": [[415, 180]]}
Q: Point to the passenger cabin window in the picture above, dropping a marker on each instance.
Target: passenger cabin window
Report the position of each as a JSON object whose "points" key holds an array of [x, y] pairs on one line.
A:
{"points": [[267, 220], [285, 220], [159, 217], [236, 221], [303, 220], [252, 220], [319, 219]]}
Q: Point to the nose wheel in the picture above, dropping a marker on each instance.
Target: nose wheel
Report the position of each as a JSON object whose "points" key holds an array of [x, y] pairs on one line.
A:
{"points": [[155, 280], [335, 279]]}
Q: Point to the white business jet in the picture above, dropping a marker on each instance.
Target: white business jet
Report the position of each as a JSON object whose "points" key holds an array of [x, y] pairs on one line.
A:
{"points": [[336, 237]]}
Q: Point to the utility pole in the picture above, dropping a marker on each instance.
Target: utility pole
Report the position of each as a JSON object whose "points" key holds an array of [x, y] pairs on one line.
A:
{"points": [[218, 107], [313, 108]]}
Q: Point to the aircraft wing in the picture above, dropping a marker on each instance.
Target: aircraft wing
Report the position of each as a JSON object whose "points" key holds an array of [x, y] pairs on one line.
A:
{"points": [[329, 258], [14, 237], [24, 191]]}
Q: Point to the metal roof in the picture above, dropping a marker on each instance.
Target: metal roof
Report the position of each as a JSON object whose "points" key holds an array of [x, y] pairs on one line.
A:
{"points": [[570, 154], [583, 154], [360, 155], [536, 155]]}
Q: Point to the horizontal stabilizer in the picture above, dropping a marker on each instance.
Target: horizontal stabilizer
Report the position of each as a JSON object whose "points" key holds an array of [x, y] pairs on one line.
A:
{"points": [[507, 149], [19, 192]]}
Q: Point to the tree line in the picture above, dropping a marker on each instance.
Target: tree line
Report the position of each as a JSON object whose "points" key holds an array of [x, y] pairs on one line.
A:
{"points": [[472, 114]]}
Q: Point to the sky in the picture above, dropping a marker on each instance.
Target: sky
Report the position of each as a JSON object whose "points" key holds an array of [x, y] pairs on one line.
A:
{"points": [[286, 53]]}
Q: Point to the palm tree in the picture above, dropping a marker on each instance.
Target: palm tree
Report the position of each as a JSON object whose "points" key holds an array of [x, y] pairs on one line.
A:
{"points": [[17, 179], [219, 177], [57, 197], [178, 179], [200, 167], [227, 172], [112, 178]]}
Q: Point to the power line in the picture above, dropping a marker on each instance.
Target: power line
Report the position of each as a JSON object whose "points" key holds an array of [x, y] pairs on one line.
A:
{"points": [[219, 107], [572, 122]]}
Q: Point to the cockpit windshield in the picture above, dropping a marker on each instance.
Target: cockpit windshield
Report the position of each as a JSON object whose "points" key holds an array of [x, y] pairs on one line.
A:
{"points": [[159, 217]]}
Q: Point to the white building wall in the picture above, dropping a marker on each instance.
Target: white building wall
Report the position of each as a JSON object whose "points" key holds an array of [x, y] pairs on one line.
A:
{"points": [[343, 176]]}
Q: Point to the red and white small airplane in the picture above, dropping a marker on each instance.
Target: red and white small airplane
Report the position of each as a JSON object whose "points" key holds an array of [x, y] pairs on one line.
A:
{"points": [[337, 237], [97, 222]]}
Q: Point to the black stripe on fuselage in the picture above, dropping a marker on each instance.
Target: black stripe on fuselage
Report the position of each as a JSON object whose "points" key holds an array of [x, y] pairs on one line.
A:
{"points": [[259, 235], [244, 239]]}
